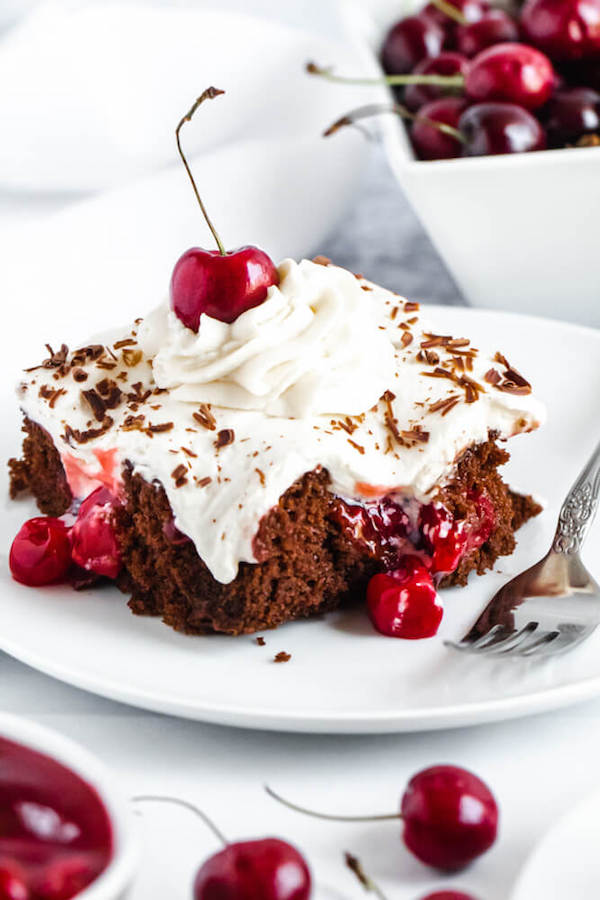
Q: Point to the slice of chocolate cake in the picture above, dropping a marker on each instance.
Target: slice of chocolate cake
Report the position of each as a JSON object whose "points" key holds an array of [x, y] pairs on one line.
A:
{"points": [[263, 470]]}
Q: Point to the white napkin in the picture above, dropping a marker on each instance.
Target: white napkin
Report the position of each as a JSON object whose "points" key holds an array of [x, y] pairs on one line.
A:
{"points": [[95, 95]]}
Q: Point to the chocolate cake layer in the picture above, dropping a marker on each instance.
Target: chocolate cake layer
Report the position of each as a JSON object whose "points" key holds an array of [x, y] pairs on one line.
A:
{"points": [[308, 565]]}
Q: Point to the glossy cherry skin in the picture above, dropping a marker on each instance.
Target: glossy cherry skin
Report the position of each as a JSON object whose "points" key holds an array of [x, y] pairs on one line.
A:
{"points": [[41, 552], [495, 27], [13, 882], [223, 287], [428, 141], [446, 63], [572, 113], [410, 41], [494, 128], [450, 817], [564, 29], [445, 540], [471, 10], [511, 73], [268, 869], [404, 603], [449, 895], [94, 543]]}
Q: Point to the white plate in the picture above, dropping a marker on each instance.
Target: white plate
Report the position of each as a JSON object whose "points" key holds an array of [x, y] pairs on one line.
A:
{"points": [[342, 677], [566, 862]]}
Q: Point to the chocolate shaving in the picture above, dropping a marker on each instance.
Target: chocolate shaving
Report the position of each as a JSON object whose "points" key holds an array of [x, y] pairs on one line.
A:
{"points": [[394, 312], [79, 375], [492, 376], [261, 475], [160, 428], [131, 357], [205, 417], [513, 382], [56, 360], [179, 475], [133, 423], [202, 482], [110, 392], [137, 395], [416, 435], [406, 339], [189, 452], [356, 446], [126, 342], [428, 356], [322, 260], [87, 354], [106, 364], [224, 437], [82, 437], [96, 404], [444, 406], [410, 306]]}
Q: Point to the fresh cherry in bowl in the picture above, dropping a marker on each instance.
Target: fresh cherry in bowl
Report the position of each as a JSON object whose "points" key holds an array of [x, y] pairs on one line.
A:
{"points": [[446, 63], [511, 73], [495, 128], [564, 29], [409, 42], [494, 27], [570, 114]]}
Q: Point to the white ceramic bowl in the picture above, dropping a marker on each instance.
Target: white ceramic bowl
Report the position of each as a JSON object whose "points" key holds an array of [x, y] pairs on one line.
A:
{"points": [[114, 881], [518, 232]]}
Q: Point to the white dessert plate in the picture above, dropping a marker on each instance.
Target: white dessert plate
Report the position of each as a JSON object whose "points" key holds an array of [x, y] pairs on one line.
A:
{"points": [[566, 862], [342, 676]]}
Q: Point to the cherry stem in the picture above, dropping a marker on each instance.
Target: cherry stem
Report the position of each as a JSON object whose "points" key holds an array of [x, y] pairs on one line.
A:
{"points": [[326, 816], [369, 885], [209, 94], [451, 11], [374, 109], [154, 798], [449, 81]]}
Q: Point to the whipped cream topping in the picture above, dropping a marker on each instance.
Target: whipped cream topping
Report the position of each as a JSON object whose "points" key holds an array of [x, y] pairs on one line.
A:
{"points": [[313, 347], [223, 466]]}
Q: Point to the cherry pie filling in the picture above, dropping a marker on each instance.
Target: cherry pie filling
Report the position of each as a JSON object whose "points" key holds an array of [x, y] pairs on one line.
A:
{"points": [[418, 545]]}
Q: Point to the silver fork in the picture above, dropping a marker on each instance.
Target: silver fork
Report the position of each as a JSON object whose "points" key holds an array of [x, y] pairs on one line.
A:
{"points": [[555, 604]]}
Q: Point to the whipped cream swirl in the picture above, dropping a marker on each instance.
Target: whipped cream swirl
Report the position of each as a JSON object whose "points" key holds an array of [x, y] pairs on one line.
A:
{"points": [[313, 347]]}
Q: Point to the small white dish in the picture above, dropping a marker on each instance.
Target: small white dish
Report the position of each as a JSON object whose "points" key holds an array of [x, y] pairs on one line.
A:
{"points": [[517, 232], [116, 878], [343, 677], [566, 862]]}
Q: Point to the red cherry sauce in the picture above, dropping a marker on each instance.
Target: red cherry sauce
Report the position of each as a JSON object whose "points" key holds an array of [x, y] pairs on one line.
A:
{"points": [[55, 833]]}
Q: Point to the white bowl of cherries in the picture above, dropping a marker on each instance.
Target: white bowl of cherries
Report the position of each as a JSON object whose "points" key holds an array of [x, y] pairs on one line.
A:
{"points": [[66, 831], [509, 187]]}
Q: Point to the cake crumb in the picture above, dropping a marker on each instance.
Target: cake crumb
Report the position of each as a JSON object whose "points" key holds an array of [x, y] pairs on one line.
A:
{"points": [[282, 657], [260, 641]]}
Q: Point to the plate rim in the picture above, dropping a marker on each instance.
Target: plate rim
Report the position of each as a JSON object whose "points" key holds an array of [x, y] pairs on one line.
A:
{"points": [[459, 715]]}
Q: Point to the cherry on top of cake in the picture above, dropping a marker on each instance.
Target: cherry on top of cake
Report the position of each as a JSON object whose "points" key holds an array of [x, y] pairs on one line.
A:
{"points": [[223, 284]]}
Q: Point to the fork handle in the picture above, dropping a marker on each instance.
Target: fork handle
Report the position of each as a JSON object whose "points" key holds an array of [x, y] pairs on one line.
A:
{"points": [[579, 508]]}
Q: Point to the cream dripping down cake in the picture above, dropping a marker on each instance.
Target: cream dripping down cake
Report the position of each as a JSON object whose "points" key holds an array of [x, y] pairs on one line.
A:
{"points": [[269, 444]]}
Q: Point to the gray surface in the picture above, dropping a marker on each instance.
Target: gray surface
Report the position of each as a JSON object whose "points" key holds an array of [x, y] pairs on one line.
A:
{"points": [[383, 239]]}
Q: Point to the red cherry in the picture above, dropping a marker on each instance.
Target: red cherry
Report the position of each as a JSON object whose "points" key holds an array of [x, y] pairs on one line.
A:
{"points": [[41, 552], [13, 884], [564, 29], [408, 42], [572, 113], [66, 878], [269, 869], [431, 143], [449, 895], [221, 286], [445, 539], [471, 10], [447, 63], [94, 544], [495, 27], [404, 603], [450, 817], [514, 73], [492, 128]]}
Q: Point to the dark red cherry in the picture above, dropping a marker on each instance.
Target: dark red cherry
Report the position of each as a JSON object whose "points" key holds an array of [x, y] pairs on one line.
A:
{"points": [[449, 895], [410, 41], [269, 869], [564, 29], [447, 63], [404, 603], [431, 143], [511, 73], [41, 552], [450, 817], [66, 878], [494, 27], [470, 10], [94, 543], [445, 539], [13, 883], [570, 114], [221, 286], [493, 128]]}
